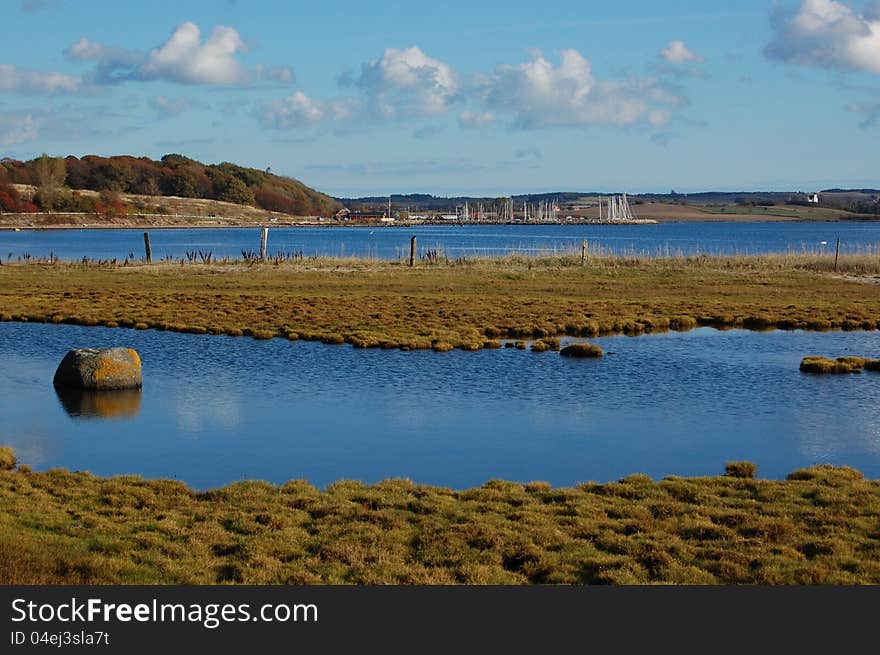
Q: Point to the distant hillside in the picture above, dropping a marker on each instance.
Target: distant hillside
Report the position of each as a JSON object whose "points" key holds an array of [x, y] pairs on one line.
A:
{"points": [[173, 175]]}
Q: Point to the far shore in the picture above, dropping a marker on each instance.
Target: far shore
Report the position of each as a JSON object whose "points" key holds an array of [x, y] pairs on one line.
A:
{"points": [[203, 225], [192, 214]]}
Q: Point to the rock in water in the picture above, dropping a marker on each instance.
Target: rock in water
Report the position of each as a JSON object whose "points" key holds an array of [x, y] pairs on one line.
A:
{"points": [[100, 369]]}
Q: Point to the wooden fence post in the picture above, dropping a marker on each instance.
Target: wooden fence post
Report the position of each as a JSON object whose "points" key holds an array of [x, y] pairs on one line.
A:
{"points": [[412, 252], [584, 253], [147, 248], [264, 238], [837, 254]]}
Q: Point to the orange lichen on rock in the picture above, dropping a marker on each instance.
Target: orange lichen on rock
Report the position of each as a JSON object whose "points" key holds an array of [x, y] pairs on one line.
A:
{"points": [[103, 369]]}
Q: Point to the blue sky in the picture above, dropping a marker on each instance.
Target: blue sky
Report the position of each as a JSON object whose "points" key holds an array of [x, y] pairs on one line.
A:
{"points": [[358, 98]]}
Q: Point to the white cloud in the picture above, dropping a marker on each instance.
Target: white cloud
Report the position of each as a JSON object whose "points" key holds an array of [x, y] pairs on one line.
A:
{"points": [[678, 53], [18, 80], [85, 50], [185, 58], [475, 119], [826, 34], [296, 110], [401, 84], [540, 94], [407, 82], [15, 129]]}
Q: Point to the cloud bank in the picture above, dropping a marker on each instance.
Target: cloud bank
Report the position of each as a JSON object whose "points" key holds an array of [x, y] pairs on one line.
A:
{"points": [[30, 82], [540, 94], [826, 34], [406, 82], [184, 58]]}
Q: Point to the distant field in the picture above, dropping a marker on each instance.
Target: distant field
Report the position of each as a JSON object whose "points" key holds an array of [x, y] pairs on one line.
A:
{"points": [[672, 212]]}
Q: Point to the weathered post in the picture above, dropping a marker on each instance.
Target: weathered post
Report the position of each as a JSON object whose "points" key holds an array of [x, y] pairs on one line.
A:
{"points": [[264, 238], [837, 254], [147, 248], [584, 253], [412, 252]]}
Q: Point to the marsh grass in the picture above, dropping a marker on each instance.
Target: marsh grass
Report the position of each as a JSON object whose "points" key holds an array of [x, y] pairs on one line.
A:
{"points": [[817, 527], [582, 351], [740, 470], [375, 304], [842, 365], [7, 458]]}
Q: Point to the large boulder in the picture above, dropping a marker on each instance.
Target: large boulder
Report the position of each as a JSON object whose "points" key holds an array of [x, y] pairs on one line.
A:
{"points": [[100, 369]]}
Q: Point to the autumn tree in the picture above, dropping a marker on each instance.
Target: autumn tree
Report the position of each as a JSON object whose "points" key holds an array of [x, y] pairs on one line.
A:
{"points": [[231, 189], [9, 199], [49, 175]]}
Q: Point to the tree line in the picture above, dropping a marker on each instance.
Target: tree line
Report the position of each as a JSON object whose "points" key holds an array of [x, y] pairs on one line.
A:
{"points": [[57, 179]]}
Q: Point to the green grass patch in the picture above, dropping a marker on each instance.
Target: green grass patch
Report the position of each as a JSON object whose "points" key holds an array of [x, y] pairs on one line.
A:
{"points": [[819, 526]]}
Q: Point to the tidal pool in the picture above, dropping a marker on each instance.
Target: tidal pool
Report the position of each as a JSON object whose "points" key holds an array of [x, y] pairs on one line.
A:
{"points": [[218, 409]]}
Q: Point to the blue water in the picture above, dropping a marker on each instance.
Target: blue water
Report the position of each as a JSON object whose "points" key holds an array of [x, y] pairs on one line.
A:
{"points": [[454, 241], [218, 409]]}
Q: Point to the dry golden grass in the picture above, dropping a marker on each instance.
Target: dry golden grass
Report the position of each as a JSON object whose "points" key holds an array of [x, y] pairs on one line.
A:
{"points": [[818, 527], [823, 365], [458, 303], [582, 351]]}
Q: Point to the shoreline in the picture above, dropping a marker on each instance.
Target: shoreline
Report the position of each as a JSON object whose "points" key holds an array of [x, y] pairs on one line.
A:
{"points": [[373, 226]]}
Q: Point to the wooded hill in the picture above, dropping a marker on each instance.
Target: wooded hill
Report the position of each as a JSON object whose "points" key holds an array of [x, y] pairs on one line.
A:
{"points": [[55, 179]]}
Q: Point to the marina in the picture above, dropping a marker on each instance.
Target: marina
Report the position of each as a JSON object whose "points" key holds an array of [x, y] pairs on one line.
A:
{"points": [[392, 243]]}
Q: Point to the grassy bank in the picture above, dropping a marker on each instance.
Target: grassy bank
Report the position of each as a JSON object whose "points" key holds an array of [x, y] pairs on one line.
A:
{"points": [[461, 303], [819, 526]]}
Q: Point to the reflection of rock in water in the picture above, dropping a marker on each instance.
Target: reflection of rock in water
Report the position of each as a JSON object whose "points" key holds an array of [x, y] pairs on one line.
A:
{"points": [[123, 403]]}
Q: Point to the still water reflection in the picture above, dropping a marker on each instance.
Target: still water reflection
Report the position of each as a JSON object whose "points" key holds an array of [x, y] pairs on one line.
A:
{"points": [[218, 409]]}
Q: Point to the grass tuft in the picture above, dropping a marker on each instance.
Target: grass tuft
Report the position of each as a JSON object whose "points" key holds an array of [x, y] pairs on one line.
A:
{"points": [[740, 470], [581, 350], [7, 458], [824, 366]]}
